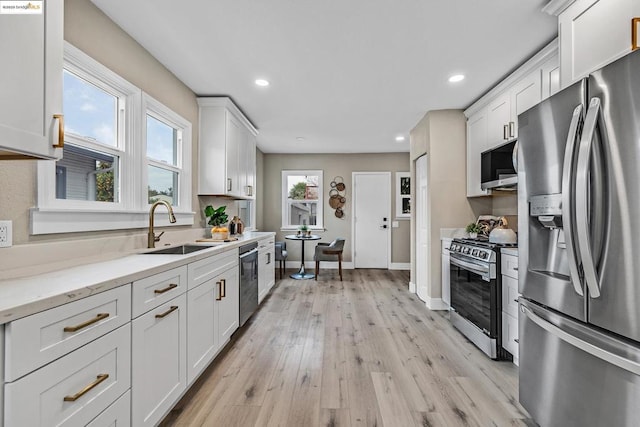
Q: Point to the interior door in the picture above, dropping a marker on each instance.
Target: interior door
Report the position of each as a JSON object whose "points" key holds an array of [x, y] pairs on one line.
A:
{"points": [[371, 218], [422, 230]]}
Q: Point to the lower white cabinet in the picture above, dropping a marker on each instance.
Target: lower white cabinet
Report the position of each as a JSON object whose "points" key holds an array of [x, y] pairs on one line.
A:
{"points": [[158, 361], [266, 267], [116, 415], [228, 306], [509, 270], [74, 389]]}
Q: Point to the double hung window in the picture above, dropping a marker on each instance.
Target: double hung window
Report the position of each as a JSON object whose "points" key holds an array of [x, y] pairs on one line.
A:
{"points": [[122, 151], [302, 199]]}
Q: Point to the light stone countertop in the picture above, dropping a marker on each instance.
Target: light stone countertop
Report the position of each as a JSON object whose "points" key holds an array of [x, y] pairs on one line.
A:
{"points": [[20, 297]]}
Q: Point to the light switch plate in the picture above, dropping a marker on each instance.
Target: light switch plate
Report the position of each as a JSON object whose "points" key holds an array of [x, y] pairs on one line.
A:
{"points": [[6, 234], [395, 224]]}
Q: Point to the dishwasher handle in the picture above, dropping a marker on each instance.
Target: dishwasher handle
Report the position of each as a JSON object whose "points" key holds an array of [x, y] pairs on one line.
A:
{"points": [[251, 252]]}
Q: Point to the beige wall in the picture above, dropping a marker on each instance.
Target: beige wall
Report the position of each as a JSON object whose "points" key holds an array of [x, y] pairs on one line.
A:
{"points": [[332, 165], [87, 28], [441, 135]]}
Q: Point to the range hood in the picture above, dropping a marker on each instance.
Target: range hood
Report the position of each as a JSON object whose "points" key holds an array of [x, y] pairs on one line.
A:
{"points": [[504, 184]]}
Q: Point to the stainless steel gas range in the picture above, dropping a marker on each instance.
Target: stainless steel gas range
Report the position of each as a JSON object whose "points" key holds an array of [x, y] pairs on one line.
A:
{"points": [[476, 293]]}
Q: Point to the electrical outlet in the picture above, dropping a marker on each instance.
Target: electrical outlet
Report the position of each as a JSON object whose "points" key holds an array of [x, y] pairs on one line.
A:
{"points": [[6, 234]]}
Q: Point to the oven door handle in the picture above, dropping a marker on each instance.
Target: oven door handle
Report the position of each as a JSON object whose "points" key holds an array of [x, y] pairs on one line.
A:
{"points": [[472, 267]]}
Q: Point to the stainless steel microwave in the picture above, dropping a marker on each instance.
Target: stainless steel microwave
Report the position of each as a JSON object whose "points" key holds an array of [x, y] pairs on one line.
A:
{"points": [[498, 170]]}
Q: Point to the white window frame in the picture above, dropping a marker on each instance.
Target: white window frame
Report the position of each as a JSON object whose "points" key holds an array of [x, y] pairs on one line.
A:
{"points": [[52, 215], [285, 193], [183, 167]]}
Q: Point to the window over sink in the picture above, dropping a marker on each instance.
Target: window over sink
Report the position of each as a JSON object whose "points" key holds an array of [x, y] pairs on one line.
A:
{"points": [[302, 196], [123, 150]]}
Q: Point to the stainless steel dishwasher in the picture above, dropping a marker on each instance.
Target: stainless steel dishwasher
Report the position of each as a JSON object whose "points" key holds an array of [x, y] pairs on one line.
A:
{"points": [[248, 281]]}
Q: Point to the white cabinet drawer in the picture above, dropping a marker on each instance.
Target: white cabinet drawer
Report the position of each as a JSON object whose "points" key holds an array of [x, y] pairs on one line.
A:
{"points": [[208, 268], [510, 334], [509, 266], [36, 340], [116, 415], [510, 295], [154, 290], [94, 375]]}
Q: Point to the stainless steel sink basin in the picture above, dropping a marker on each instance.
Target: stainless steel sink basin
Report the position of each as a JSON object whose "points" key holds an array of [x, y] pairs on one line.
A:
{"points": [[177, 250]]}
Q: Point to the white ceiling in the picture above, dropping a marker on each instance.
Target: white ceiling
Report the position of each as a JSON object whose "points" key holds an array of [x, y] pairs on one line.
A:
{"points": [[347, 75]]}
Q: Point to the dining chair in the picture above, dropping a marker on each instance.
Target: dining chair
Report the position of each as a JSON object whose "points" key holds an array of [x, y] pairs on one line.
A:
{"points": [[281, 256], [329, 252]]}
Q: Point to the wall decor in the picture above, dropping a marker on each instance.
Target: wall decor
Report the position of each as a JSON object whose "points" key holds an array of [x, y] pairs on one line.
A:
{"points": [[336, 196], [403, 195]]}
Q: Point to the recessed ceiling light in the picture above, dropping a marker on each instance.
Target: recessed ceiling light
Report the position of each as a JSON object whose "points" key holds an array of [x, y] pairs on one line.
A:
{"points": [[262, 82], [400, 138], [300, 139], [456, 78]]}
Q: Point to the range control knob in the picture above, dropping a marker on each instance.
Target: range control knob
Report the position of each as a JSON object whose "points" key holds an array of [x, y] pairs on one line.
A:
{"points": [[474, 252], [483, 255]]}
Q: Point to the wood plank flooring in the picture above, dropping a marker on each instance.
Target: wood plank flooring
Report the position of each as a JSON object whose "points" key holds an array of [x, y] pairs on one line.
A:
{"points": [[363, 352]]}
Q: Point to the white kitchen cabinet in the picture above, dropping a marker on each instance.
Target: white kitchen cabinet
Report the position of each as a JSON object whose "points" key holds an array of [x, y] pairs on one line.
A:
{"points": [[154, 290], [266, 267], [446, 273], [226, 150], [212, 313], [510, 312], [593, 33], [550, 77], [116, 415], [158, 361], [31, 83], [499, 120], [74, 389], [63, 329], [476, 144]]}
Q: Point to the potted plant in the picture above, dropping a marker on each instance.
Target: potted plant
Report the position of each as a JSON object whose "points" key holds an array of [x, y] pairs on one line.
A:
{"points": [[304, 230], [473, 229], [217, 219]]}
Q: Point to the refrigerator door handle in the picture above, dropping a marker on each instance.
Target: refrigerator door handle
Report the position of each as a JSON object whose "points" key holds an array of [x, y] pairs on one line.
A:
{"points": [[582, 198], [567, 198], [607, 356]]}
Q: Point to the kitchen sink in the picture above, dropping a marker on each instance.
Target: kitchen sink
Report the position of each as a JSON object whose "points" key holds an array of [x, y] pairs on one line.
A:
{"points": [[177, 250]]}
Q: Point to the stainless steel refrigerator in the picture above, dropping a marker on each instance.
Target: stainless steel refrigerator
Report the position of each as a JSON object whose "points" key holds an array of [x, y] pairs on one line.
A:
{"points": [[579, 264]]}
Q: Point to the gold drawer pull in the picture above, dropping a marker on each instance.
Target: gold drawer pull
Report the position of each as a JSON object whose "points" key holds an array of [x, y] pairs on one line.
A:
{"points": [[219, 297], [167, 289], [635, 42], [224, 288], [82, 325], [60, 118], [85, 390], [168, 312]]}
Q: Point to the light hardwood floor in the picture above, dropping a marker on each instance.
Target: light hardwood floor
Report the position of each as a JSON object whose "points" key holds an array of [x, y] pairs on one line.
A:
{"points": [[363, 352]]}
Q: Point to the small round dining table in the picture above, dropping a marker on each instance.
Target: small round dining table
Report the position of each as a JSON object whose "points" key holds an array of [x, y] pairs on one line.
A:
{"points": [[302, 274]]}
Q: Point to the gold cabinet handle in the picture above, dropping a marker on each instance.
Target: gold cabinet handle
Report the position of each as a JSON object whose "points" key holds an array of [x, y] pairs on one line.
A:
{"points": [[167, 289], [83, 325], [224, 287], [85, 390], [635, 43], [168, 312], [505, 130], [512, 129], [60, 118], [229, 185], [219, 296]]}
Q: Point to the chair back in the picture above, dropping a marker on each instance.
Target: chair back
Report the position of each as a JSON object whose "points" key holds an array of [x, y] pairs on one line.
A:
{"points": [[337, 244]]}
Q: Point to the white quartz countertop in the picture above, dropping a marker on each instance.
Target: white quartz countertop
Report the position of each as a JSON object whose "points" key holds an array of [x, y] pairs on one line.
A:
{"points": [[509, 251], [20, 297]]}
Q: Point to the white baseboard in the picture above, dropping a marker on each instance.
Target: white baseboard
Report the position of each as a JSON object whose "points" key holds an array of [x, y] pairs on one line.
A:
{"points": [[412, 287], [436, 304], [400, 266]]}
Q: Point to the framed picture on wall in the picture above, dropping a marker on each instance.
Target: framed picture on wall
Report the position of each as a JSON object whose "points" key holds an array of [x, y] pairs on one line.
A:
{"points": [[403, 195]]}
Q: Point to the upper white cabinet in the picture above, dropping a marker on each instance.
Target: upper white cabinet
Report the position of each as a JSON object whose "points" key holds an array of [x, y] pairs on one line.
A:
{"points": [[493, 119], [31, 83], [476, 144], [227, 147], [592, 34]]}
